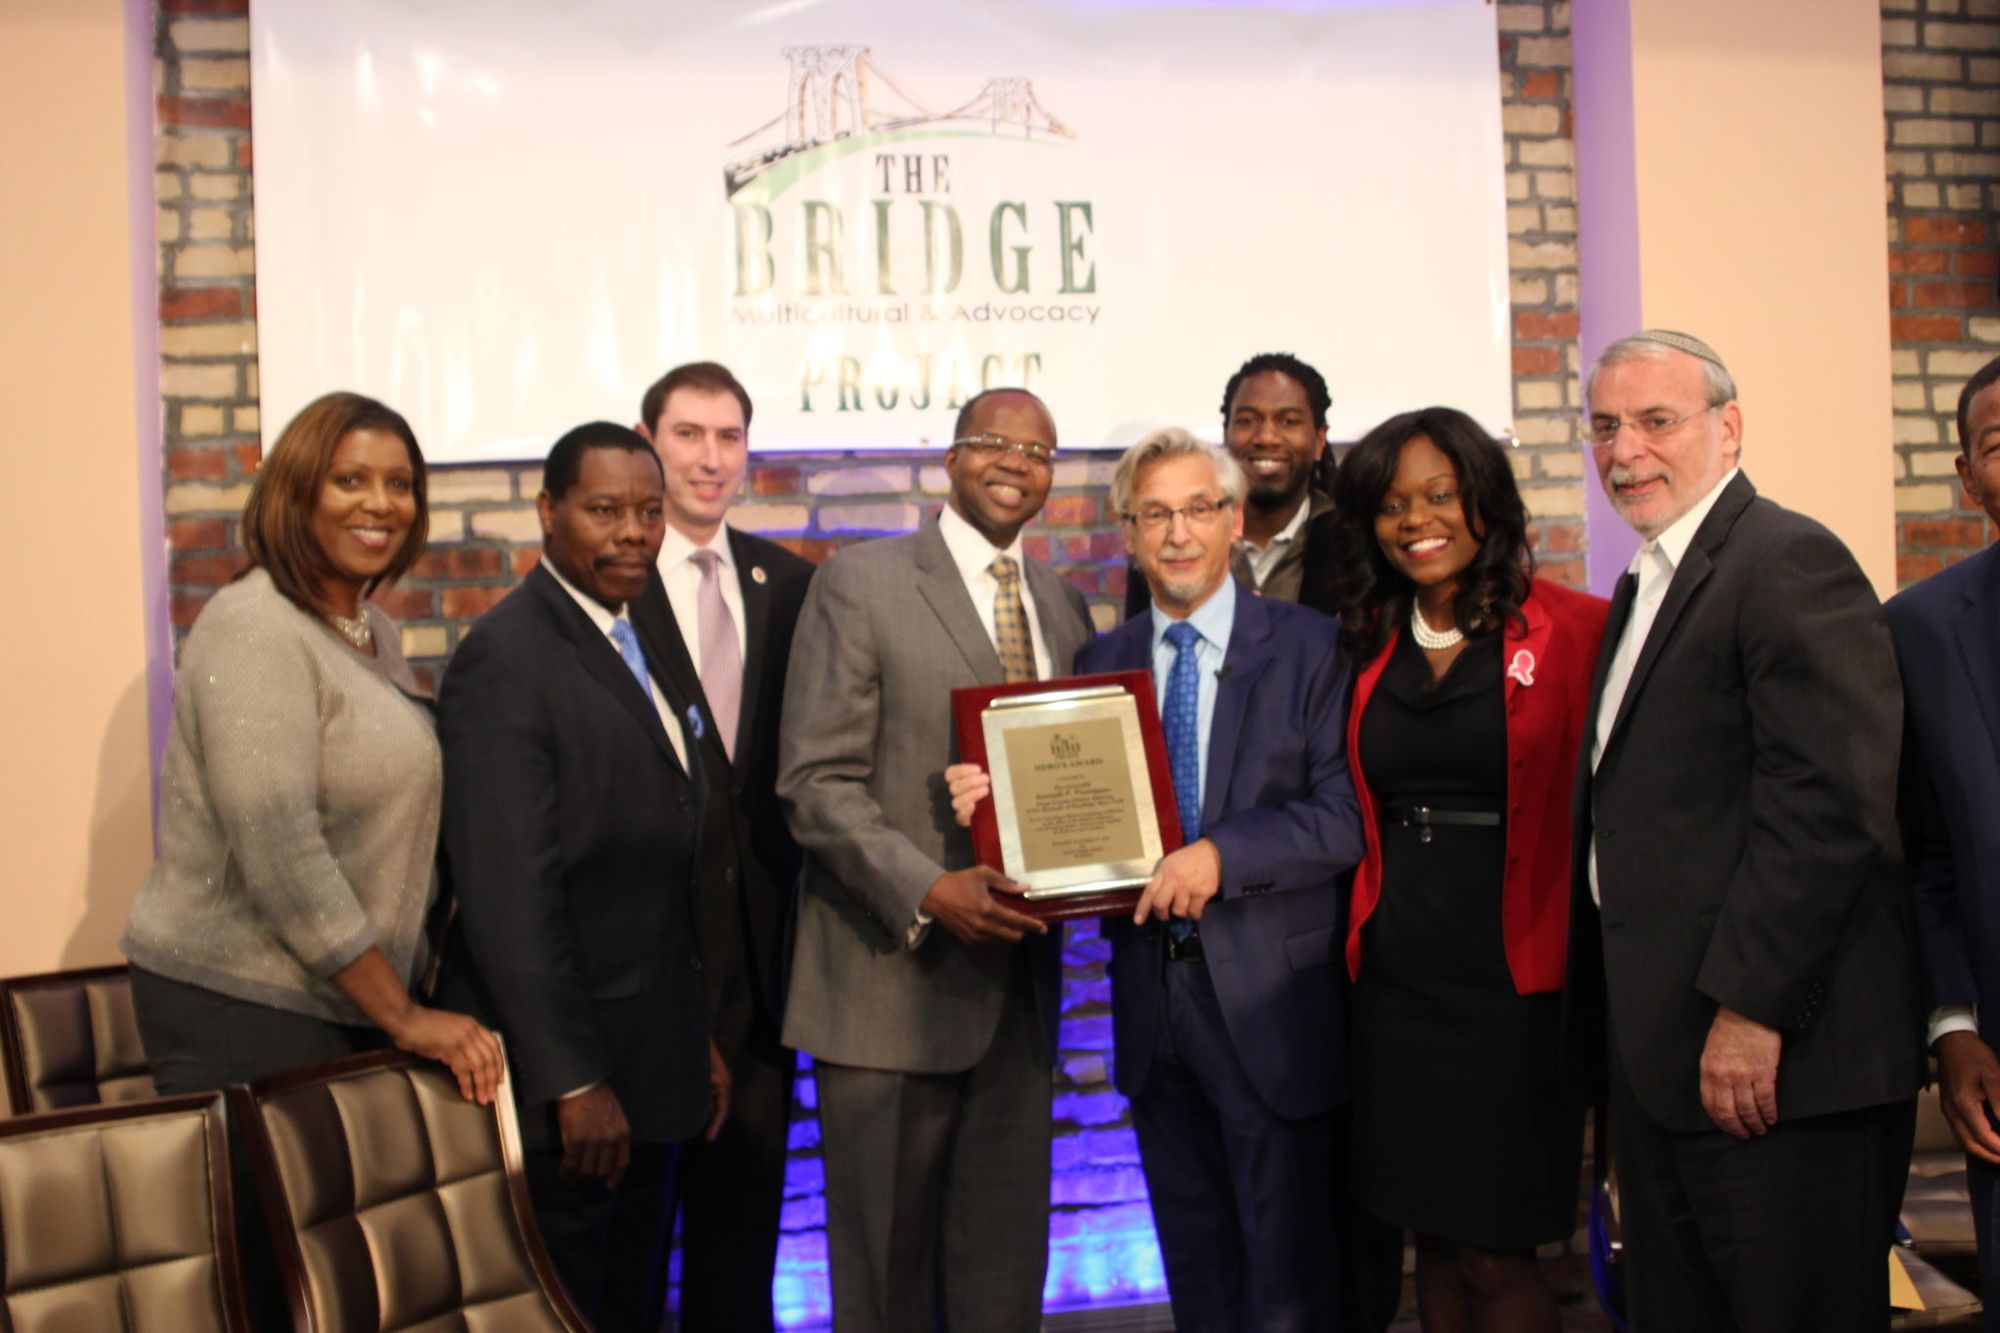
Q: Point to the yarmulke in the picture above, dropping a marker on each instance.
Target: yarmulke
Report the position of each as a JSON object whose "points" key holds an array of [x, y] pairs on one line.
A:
{"points": [[1680, 342]]}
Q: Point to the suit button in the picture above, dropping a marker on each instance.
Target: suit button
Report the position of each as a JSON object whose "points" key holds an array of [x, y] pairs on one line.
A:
{"points": [[729, 875], [686, 802], [695, 963]]}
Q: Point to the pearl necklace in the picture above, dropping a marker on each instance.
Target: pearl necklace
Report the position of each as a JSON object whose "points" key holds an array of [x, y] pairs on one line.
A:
{"points": [[356, 631], [1431, 640]]}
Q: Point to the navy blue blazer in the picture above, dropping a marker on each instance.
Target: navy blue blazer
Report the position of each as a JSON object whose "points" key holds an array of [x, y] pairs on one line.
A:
{"points": [[1279, 806], [1947, 635]]}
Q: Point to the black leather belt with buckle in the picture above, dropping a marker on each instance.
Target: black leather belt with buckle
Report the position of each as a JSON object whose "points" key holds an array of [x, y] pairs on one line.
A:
{"points": [[1184, 951], [1421, 815], [1427, 818]]}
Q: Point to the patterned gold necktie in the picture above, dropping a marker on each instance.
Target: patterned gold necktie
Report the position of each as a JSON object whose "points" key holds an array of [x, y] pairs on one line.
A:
{"points": [[1010, 622]]}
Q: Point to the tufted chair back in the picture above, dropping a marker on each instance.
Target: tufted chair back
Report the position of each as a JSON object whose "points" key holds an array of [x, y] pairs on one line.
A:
{"points": [[69, 1039], [396, 1204], [118, 1217]]}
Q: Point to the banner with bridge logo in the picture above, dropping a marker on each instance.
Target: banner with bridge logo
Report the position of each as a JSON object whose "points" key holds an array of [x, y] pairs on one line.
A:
{"points": [[506, 219]]}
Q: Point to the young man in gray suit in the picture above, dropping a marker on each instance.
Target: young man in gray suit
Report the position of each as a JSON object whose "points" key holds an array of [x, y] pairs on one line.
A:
{"points": [[928, 1006]]}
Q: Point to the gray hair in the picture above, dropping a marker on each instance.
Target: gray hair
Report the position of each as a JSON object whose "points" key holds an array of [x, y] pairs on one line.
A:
{"points": [[1173, 442], [1720, 386]]}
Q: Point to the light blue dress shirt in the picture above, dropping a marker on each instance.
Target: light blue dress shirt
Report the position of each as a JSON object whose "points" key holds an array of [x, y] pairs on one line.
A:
{"points": [[1213, 619]]}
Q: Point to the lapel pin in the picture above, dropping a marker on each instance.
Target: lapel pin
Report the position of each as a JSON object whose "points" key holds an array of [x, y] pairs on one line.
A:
{"points": [[757, 574], [1522, 668], [694, 721]]}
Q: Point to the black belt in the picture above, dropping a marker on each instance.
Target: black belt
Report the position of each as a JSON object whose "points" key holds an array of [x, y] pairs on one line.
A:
{"points": [[1425, 818], [1186, 950], [1424, 815]]}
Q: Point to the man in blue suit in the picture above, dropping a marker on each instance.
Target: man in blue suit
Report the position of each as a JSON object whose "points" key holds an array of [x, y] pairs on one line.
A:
{"points": [[1226, 1003], [1947, 634]]}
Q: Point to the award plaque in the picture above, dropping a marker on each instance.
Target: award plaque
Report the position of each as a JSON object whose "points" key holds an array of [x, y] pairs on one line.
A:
{"points": [[1082, 807]]}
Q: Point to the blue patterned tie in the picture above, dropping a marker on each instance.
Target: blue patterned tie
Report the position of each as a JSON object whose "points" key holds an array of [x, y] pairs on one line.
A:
{"points": [[1181, 719], [635, 657]]}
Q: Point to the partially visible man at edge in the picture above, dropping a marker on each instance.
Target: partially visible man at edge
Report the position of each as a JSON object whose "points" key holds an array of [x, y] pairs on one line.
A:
{"points": [[1947, 634]]}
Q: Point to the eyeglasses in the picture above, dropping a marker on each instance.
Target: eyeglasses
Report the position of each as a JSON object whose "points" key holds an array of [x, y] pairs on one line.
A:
{"points": [[1651, 426], [991, 447], [1155, 517]]}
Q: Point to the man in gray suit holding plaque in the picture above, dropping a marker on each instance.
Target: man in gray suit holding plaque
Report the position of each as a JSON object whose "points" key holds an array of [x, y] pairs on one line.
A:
{"points": [[929, 1006]]}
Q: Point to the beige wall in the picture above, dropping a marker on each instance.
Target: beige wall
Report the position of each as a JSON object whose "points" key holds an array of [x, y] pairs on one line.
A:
{"points": [[75, 821], [1762, 228]]}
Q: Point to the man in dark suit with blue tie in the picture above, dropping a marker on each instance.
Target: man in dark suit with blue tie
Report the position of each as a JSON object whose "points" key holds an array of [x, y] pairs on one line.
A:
{"points": [[572, 798], [1947, 635], [1226, 1004]]}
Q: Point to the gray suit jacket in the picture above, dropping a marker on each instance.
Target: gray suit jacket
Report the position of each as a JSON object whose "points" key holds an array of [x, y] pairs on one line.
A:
{"points": [[887, 631]]}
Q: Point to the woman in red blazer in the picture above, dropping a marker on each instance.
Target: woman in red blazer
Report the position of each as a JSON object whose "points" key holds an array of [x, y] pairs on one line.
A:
{"points": [[1473, 681]]}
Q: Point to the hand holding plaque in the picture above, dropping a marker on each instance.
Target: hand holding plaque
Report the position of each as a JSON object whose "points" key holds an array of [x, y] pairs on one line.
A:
{"points": [[1080, 804]]}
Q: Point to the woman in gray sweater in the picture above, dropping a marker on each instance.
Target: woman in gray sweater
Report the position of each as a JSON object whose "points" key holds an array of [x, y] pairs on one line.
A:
{"points": [[283, 919]]}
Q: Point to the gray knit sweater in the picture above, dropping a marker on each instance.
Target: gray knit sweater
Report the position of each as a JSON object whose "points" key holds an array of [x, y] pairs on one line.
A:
{"points": [[298, 808]]}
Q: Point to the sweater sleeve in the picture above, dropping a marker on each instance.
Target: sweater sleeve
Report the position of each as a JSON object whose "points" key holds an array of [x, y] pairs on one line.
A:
{"points": [[256, 699]]}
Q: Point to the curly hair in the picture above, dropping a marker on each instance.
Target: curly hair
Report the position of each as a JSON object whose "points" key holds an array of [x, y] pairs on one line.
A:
{"points": [[1371, 598]]}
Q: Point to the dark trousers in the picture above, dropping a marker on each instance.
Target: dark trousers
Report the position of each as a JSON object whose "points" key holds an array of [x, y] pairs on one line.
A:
{"points": [[609, 1245], [937, 1186], [732, 1191], [199, 1040], [1240, 1194], [1788, 1232]]}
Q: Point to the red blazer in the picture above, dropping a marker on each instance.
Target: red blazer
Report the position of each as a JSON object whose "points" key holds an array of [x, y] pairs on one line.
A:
{"points": [[1548, 694]]}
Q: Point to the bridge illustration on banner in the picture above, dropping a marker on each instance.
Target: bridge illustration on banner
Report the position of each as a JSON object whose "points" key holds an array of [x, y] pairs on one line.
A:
{"points": [[837, 95]]}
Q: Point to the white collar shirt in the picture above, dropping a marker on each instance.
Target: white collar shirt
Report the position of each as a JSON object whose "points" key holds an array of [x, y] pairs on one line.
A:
{"points": [[604, 618], [973, 555], [1263, 559], [1654, 564]]}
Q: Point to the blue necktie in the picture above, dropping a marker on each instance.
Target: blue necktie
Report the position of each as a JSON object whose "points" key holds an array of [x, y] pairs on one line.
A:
{"points": [[1181, 719], [635, 657]]}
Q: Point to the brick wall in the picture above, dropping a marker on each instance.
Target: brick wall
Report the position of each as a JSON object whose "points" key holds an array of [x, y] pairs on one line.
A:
{"points": [[1541, 257], [1941, 92]]}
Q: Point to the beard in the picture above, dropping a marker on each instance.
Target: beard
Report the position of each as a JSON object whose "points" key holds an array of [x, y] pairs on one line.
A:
{"points": [[1279, 490]]}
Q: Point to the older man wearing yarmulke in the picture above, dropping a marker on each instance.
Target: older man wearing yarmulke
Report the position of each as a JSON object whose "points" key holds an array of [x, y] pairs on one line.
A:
{"points": [[1740, 974]]}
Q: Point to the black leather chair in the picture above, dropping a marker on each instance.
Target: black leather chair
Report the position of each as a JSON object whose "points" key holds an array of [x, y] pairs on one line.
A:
{"points": [[70, 1039], [119, 1216], [396, 1204]]}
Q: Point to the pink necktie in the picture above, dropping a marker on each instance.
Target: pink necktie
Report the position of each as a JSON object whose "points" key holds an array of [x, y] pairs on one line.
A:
{"points": [[721, 658]]}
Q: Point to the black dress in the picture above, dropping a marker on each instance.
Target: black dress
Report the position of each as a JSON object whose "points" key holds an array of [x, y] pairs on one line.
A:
{"points": [[1459, 1126]]}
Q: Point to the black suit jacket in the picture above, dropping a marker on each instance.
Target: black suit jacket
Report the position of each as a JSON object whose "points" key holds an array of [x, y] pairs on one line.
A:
{"points": [[1743, 813], [750, 865], [569, 834]]}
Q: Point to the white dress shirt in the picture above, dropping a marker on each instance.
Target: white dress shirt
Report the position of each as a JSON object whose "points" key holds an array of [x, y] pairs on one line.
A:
{"points": [[1263, 559], [604, 618], [1654, 563], [682, 577], [973, 555]]}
